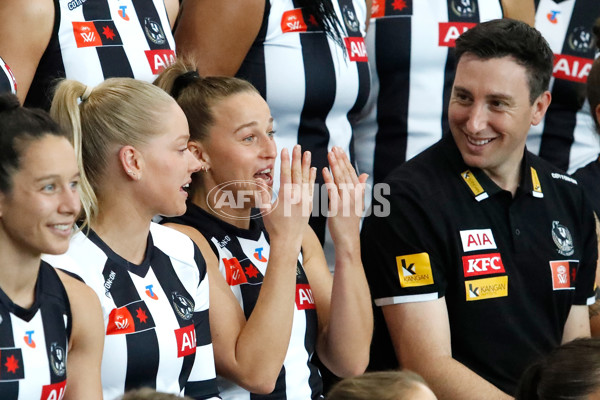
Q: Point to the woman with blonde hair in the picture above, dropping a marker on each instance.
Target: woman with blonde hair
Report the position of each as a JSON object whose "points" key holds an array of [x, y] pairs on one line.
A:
{"points": [[131, 142], [382, 385]]}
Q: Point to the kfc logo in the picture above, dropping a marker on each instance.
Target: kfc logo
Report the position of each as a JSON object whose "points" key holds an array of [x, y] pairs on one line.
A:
{"points": [[482, 264]]}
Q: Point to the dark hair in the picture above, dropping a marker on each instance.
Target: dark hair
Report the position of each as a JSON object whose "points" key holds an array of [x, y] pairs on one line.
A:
{"points": [[197, 95], [593, 80], [570, 372], [326, 18], [19, 127], [510, 38]]}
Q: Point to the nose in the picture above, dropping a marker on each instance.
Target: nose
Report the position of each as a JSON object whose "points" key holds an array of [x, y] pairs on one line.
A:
{"points": [[193, 163], [269, 148], [70, 202], [477, 118]]}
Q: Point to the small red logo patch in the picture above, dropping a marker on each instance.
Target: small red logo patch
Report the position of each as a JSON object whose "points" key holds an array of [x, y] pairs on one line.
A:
{"points": [[304, 297], [357, 50], [450, 31], [234, 275], [186, 340], [56, 391], [293, 21], [570, 68], [482, 264], [159, 59], [561, 277]]}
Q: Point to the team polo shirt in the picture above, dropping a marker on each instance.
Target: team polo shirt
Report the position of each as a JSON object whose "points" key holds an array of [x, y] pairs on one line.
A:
{"points": [[8, 83], [509, 268], [157, 331]]}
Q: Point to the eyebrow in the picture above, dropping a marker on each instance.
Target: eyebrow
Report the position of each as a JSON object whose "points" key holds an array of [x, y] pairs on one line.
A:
{"points": [[495, 96], [55, 176], [249, 124]]}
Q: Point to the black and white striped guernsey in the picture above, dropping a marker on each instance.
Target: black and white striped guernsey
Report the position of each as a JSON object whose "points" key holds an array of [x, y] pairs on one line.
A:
{"points": [[411, 53], [243, 257], [566, 137], [8, 83], [155, 313], [313, 86], [97, 39], [34, 342]]}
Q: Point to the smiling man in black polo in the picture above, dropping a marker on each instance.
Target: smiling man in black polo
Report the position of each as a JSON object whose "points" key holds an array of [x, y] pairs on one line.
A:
{"points": [[487, 259]]}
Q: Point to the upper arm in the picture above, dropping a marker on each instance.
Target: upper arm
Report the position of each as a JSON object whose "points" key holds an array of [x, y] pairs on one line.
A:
{"points": [[319, 278], [523, 10], [218, 34], [172, 7], [407, 323], [86, 342], [25, 30], [577, 325]]}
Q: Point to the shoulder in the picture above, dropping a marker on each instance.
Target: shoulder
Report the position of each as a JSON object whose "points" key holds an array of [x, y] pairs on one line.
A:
{"points": [[553, 175], [172, 242]]}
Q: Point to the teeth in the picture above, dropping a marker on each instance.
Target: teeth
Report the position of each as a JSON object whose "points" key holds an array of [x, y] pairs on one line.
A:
{"points": [[187, 185], [478, 142], [62, 227], [265, 171]]}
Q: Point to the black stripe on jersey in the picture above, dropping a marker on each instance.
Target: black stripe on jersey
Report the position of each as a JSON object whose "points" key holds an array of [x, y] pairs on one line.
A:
{"points": [[113, 59], [202, 389], [172, 286], [320, 87], [392, 49], [450, 67], [561, 116], [9, 390], [53, 312], [141, 345], [364, 77], [151, 25], [50, 68], [253, 68]]}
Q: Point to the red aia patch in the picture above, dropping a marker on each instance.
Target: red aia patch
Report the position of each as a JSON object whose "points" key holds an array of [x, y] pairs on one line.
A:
{"points": [[186, 340], [357, 51], [56, 391], [304, 297], [570, 68], [159, 59], [450, 31]]}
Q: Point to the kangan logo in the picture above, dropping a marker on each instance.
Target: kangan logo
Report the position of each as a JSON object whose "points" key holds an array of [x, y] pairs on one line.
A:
{"points": [[408, 270], [562, 239], [464, 8], [473, 292], [154, 31], [580, 39], [57, 359], [183, 306], [350, 19]]}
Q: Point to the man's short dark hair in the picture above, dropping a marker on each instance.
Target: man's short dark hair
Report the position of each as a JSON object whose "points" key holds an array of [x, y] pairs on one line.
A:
{"points": [[507, 37]]}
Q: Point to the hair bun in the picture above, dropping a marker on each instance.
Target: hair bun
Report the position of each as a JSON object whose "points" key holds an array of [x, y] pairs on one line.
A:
{"points": [[8, 102]]}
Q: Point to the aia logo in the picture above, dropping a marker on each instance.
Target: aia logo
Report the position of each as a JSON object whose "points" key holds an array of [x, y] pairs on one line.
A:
{"points": [[477, 239], [304, 297], [293, 21], [450, 31], [28, 338], [151, 293], [55, 391], [552, 16], [357, 51], [258, 254], [186, 341], [159, 59], [571, 68]]}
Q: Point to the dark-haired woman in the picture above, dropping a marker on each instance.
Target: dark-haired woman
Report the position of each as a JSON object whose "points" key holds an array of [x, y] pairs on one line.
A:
{"points": [[307, 59], [275, 302], [50, 324], [589, 176]]}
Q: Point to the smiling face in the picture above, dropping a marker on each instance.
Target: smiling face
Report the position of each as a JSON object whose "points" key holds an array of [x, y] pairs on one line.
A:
{"points": [[490, 113], [240, 145], [168, 165], [38, 214]]}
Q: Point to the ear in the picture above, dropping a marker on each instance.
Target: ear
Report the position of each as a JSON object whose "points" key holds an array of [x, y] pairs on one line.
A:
{"points": [[198, 150], [540, 106], [131, 162]]}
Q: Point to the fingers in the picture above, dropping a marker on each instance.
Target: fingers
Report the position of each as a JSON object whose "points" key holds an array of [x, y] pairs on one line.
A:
{"points": [[285, 171]]}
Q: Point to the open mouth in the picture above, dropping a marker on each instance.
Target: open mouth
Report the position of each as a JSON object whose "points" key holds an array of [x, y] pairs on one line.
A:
{"points": [[265, 175], [480, 142]]}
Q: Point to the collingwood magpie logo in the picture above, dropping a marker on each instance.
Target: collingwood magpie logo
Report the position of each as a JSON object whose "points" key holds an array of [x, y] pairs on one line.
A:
{"points": [[183, 306], [464, 8], [154, 31], [57, 359], [350, 19], [562, 239], [580, 39]]}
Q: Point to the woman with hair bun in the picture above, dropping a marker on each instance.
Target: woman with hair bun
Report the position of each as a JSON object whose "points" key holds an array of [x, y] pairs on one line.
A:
{"points": [[571, 372], [50, 324], [276, 303], [131, 144]]}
